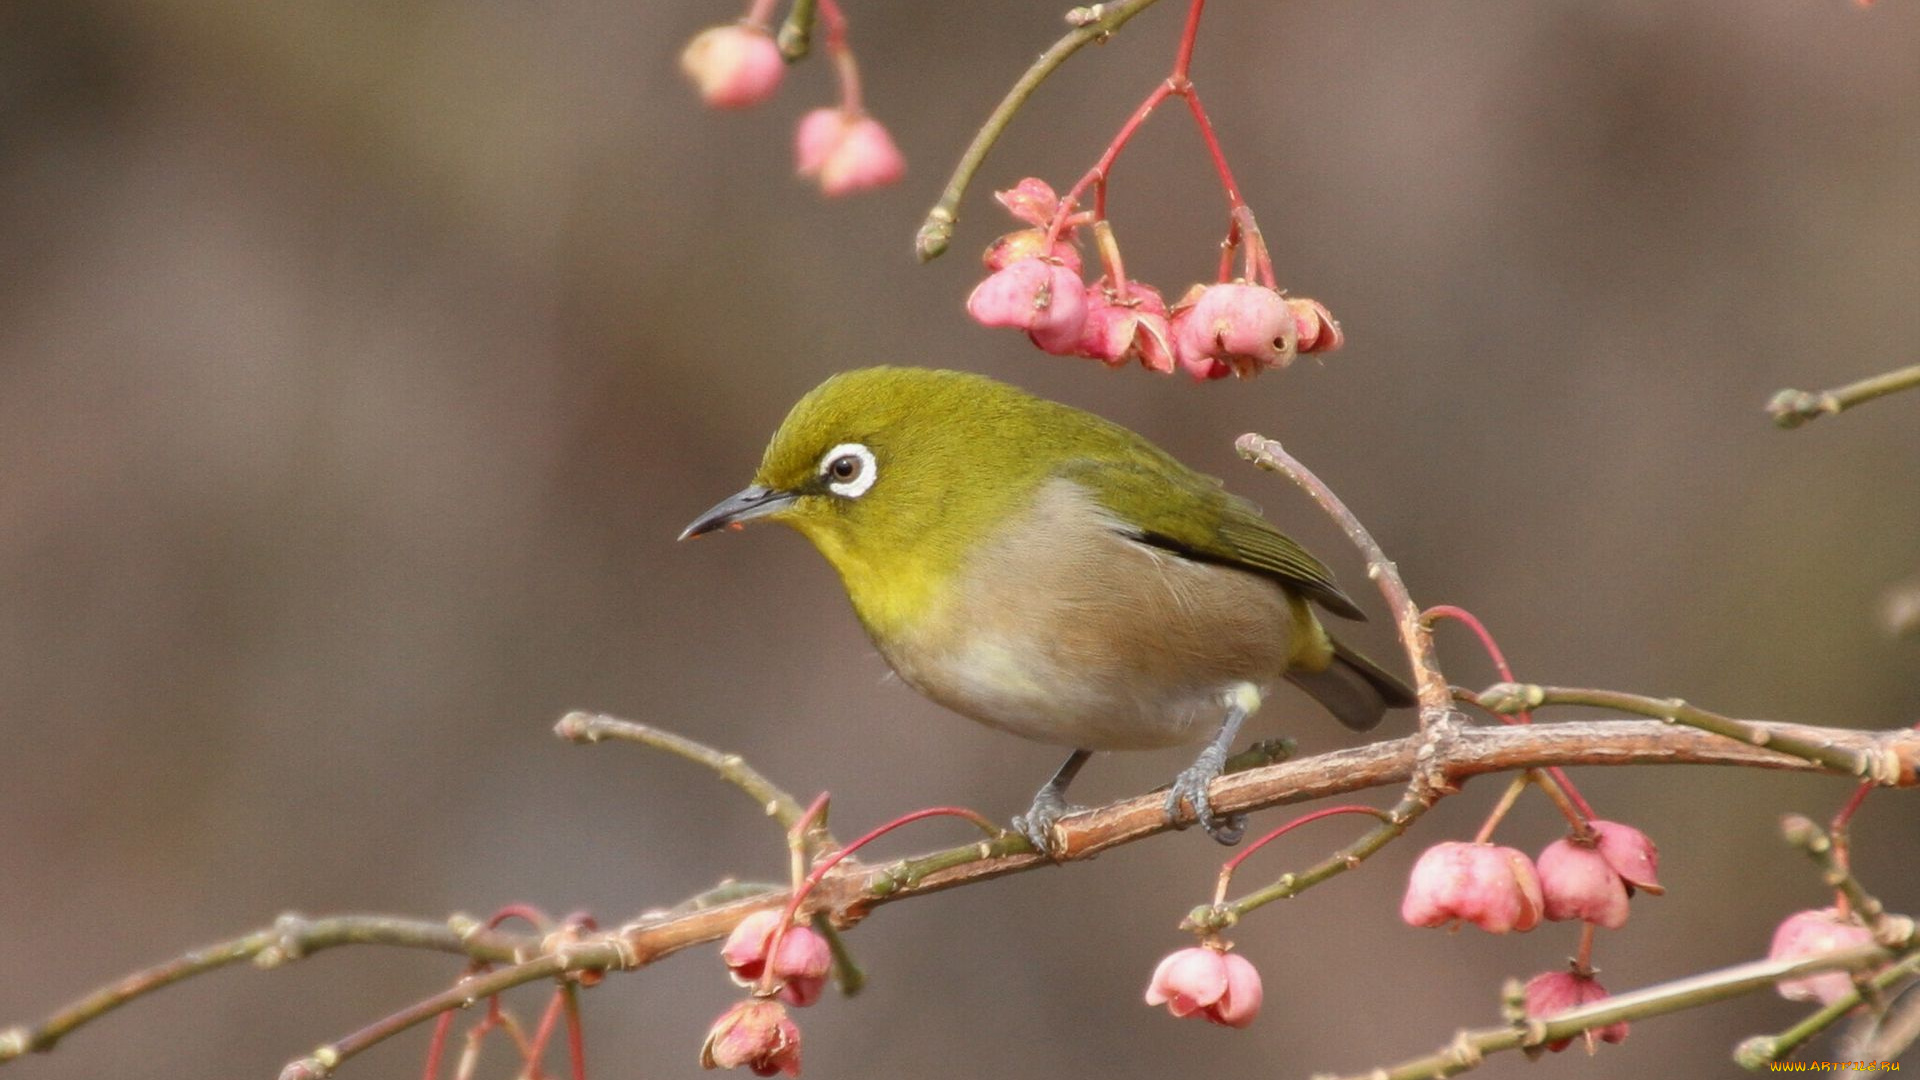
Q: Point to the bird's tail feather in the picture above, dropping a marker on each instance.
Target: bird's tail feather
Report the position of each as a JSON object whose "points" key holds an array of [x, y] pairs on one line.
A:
{"points": [[1357, 691]]}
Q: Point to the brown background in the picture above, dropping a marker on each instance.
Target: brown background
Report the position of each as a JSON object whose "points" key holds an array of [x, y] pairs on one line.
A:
{"points": [[362, 360]]}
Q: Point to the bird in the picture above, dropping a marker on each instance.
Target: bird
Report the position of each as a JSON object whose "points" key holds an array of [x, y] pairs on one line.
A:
{"points": [[1052, 574]]}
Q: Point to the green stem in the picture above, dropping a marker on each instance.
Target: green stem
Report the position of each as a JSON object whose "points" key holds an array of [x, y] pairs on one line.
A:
{"points": [[796, 34], [585, 728], [1791, 408], [1347, 858], [1756, 1052], [931, 241]]}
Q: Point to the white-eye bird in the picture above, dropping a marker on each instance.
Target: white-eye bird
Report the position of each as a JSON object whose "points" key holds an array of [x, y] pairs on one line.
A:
{"points": [[1043, 571]]}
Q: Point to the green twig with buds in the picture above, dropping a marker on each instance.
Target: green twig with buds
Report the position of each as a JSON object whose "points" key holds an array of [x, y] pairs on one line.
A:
{"points": [[1090, 25], [1469, 1048], [1791, 408]]}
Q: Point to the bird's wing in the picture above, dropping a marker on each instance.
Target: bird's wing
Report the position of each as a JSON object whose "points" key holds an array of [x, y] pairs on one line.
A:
{"points": [[1165, 504]]}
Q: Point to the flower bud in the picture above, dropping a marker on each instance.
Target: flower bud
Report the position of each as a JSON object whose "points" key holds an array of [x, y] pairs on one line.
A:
{"points": [[1494, 888], [801, 968], [846, 152], [1576, 882], [1817, 933], [733, 66], [756, 1033], [1555, 992], [1044, 299], [1222, 987], [1236, 326]]}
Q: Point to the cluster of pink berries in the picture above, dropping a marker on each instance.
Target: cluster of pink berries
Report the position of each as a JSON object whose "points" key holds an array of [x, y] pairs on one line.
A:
{"points": [[1818, 932], [1230, 328], [790, 967], [842, 148]]}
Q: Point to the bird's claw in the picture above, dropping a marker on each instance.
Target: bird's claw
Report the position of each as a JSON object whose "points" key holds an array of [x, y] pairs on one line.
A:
{"points": [[1038, 822], [1191, 786]]}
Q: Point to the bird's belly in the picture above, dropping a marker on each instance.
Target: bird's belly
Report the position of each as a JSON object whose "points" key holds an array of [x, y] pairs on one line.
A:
{"points": [[1019, 687]]}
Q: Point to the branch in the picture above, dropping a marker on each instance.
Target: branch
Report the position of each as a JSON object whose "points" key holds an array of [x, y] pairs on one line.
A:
{"points": [[1757, 1051], [1867, 762], [586, 728], [1469, 1047], [1091, 24], [291, 937], [1791, 408]]}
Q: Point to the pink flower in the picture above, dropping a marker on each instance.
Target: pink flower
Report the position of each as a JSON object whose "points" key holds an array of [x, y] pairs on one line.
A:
{"points": [[1044, 299], [1233, 328], [801, 968], [756, 1033], [846, 152], [1494, 888], [733, 66], [1029, 244], [1116, 332], [1593, 880], [1221, 986], [1577, 883], [1555, 992], [1817, 933]]}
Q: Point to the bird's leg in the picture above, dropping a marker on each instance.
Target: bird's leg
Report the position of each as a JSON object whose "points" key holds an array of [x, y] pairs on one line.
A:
{"points": [[1050, 805], [1191, 785]]}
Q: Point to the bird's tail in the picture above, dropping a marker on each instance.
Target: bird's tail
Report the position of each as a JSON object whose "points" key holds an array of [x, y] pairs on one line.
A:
{"points": [[1357, 691]]}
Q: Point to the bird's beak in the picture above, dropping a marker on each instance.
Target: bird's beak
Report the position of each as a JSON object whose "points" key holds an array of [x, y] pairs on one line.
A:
{"points": [[739, 508]]}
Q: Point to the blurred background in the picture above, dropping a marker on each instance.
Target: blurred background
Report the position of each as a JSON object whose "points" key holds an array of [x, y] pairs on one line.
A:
{"points": [[361, 362]]}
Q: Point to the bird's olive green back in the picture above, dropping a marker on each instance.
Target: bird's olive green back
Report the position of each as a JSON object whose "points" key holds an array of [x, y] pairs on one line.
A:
{"points": [[958, 454]]}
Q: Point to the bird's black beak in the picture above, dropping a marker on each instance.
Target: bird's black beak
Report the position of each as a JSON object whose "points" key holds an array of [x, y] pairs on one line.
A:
{"points": [[739, 508]]}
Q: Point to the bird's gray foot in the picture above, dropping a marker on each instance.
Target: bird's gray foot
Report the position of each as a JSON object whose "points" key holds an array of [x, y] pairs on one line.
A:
{"points": [[1049, 806], [1191, 786]]}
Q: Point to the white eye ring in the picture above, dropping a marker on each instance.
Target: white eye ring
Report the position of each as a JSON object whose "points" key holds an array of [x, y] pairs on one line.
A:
{"points": [[865, 473]]}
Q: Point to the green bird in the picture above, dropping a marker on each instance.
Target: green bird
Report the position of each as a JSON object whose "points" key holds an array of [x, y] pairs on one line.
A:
{"points": [[1046, 572]]}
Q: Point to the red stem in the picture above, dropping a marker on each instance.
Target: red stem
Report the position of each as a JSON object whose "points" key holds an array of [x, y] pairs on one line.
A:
{"points": [[843, 65], [1183, 59], [766, 986], [1234, 863], [576, 1038], [1097, 176], [1842, 842], [548, 1021], [1472, 622]]}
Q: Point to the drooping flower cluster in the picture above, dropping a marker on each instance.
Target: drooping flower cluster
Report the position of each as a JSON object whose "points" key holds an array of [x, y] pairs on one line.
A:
{"points": [[840, 147], [1034, 284], [790, 967], [1499, 889]]}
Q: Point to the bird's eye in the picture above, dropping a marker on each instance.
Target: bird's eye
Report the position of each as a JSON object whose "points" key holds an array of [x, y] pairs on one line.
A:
{"points": [[848, 469]]}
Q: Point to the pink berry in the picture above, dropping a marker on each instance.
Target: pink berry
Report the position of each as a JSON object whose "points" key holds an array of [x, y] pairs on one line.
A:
{"points": [[801, 968], [1555, 992], [1577, 883], [1031, 200], [1817, 933], [756, 1033], [1246, 328], [1029, 244], [1118, 331], [733, 66], [1221, 987], [1631, 854], [1044, 299], [1494, 888], [846, 152]]}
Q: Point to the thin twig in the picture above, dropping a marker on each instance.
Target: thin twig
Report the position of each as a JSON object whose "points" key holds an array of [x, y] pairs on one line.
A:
{"points": [[1091, 24], [291, 937], [585, 727], [796, 34], [1813, 841], [1469, 1048], [1866, 762], [1791, 408]]}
